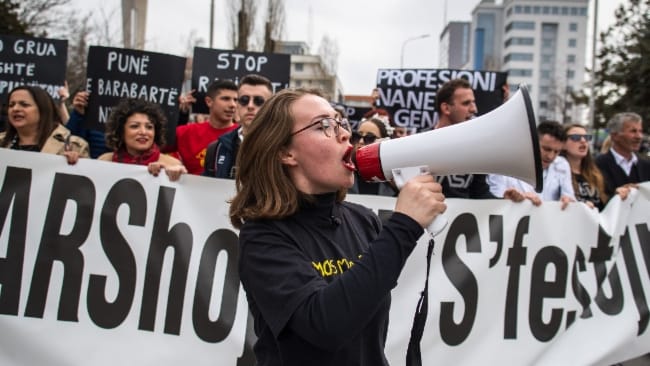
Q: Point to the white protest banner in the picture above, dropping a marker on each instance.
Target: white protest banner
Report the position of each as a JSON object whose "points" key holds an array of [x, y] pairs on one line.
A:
{"points": [[103, 264]]}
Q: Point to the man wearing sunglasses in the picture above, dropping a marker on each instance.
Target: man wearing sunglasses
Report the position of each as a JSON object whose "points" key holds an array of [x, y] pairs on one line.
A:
{"points": [[220, 156], [620, 166]]}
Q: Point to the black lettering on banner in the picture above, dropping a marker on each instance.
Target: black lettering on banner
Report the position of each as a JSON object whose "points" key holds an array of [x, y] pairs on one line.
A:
{"points": [[15, 188], [644, 239], [180, 238], [215, 331], [636, 284], [496, 236], [516, 259], [462, 278], [102, 312], [603, 252], [56, 246], [579, 291], [541, 289]]}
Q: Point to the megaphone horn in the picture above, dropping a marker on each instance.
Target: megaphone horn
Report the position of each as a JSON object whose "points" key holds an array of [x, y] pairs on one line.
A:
{"points": [[499, 142]]}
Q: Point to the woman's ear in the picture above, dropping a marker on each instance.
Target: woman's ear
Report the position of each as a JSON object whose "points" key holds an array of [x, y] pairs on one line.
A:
{"points": [[287, 158]]}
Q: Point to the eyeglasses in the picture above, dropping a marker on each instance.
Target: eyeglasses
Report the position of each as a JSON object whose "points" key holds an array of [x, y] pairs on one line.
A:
{"points": [[326, 123], [245, 99], [367, 139], [577, 137]]}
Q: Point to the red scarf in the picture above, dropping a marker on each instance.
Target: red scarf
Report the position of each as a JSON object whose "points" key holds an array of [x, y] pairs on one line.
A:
{"points": [[151, 156]]}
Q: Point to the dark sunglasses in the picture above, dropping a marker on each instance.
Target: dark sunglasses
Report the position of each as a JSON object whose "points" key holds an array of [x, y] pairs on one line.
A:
{"points": [[245, 99], [577, 137], [367, 139]]}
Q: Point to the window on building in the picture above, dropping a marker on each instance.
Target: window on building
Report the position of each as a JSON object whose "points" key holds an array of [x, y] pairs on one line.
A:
{"points": [[546, 10], [572, 42], [518, 9], [545, 74], [543, 89], [565, 10], [537, 9], [570, 74], [547, 59], [583, 12], [522, 41], [520, 25], [573, 27], [520, 72], [518, 56], [298, 83], [298, 66], [543, 104], [574, 11], [571, 59], [555, 10], [527, 9]]}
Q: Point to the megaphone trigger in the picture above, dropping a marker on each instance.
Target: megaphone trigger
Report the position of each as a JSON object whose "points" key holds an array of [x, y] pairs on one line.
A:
{"points": [[403, 175]]}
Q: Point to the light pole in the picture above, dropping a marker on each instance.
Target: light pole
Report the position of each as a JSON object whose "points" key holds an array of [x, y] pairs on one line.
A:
{"points": [[401, 65]]}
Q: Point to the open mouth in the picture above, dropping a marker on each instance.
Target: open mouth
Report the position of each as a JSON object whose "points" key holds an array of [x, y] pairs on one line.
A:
{"points": [[347, 159]]}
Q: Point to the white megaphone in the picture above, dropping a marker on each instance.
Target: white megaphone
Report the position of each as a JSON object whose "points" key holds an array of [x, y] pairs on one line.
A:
{"points": [[503, 141]]}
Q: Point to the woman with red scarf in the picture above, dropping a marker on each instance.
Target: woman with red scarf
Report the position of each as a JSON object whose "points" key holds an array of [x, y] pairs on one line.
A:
{"points": [[135, 130]]}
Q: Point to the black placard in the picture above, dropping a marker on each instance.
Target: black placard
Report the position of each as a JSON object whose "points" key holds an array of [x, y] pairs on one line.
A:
{"points": [[32, 61], [117, 73], [212, 64], [409, 94]]}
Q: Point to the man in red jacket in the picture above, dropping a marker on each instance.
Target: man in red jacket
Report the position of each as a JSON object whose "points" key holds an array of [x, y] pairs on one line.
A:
{"points": [[192, 139]]}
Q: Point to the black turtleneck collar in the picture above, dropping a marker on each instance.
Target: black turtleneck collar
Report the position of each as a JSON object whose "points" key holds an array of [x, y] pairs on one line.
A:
{"points": [[319, 208]]}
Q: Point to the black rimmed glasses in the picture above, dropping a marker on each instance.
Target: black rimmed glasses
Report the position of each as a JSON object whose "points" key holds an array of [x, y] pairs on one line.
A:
{"points": [[367, 139], [327, 124], [577, 137], [245, 99]]}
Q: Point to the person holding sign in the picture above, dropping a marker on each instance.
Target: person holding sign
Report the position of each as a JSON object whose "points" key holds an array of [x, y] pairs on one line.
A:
{"points": [[135, 130], [318, 270], [221, 154], [192, 139], [34, 125]]}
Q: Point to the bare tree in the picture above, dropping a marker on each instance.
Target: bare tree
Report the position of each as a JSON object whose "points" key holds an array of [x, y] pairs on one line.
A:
{"points": [[78, 40], [329, 54], [242, 22], [43, 17], [275, 24]]}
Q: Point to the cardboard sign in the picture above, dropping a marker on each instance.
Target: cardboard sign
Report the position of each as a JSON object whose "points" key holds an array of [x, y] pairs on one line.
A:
{"points": [[116, 73], [409, 94], [210, 64], [32, 61]]}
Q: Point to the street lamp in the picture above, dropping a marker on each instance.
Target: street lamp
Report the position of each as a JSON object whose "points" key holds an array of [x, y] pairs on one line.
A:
{"points": [[407, 41]]}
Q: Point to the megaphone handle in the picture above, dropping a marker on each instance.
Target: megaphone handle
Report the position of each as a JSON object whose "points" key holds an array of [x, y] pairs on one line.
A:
{"points": [[403, 175]]}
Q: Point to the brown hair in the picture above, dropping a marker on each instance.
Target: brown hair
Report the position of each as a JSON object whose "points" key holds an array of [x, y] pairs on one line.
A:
{"points": [[446, 92], [588, 169], [125, 109], [47, 122], [264, 189]]}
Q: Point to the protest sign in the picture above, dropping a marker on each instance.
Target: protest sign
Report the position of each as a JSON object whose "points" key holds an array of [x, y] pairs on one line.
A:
{"points": [[117, 73], [212, 64], [32, 61], [409, 94]]}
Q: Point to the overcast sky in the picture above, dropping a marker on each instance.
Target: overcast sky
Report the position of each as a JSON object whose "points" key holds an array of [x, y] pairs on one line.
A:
{"points": [[370, 33]]}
